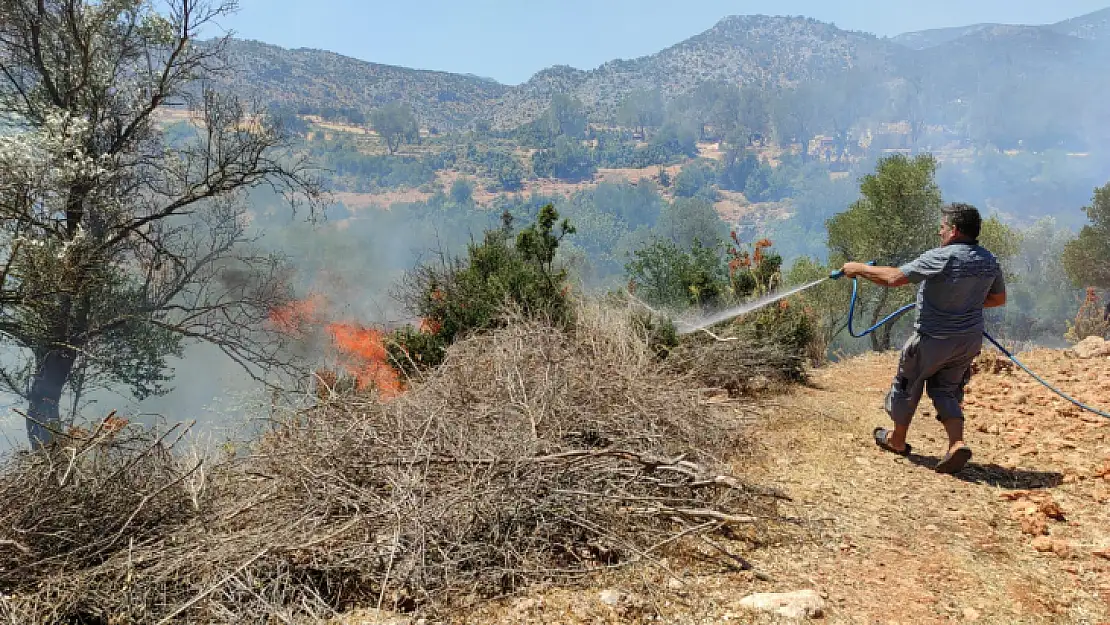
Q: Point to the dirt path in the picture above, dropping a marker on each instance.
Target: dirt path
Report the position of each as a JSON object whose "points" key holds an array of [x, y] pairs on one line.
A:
{"points": [[1020, 536]]}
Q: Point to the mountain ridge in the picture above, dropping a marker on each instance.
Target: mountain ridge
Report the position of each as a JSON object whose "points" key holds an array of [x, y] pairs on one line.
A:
{"points": [[1093, 25], [771, 52]]}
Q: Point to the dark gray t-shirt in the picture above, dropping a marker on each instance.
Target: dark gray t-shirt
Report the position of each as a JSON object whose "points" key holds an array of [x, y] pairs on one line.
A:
{"points": [[955, 279]]}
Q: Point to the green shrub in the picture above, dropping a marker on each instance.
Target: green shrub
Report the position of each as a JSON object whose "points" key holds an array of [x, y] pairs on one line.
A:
{"points": [[459, 296], [664, 274], [696, 178]]}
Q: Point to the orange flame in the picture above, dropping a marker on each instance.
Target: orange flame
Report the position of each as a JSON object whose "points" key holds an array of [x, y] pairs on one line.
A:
{"points": [[363, 355], [360, 350], [290, 319]]}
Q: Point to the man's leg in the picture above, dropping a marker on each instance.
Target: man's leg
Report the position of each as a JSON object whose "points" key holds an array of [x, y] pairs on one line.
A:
{"points": [[955, 430], [905, 392], [946, 389]]}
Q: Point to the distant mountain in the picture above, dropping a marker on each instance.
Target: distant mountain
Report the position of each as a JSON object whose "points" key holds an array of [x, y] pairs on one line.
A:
{"points": [[744, 50], [989, 64], [326, 80], [1094, 26], [922, 39], [1035, 54]]}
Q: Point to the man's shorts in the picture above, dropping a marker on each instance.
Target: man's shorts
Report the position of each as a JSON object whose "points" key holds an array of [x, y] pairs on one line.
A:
{"points": [[940, 366]]}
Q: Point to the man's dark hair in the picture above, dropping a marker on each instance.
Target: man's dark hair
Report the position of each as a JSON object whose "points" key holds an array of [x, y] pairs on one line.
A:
{"points": [[964, 217]]}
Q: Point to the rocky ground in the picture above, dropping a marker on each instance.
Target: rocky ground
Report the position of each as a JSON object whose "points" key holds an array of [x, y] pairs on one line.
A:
{"points": [[1022, 535]]}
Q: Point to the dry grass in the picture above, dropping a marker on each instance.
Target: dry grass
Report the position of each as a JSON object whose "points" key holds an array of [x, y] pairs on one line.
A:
{"points": [[531, 455]]}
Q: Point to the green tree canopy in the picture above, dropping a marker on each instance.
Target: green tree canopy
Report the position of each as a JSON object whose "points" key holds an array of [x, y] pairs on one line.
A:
{"points": [[669, 275], [642, 109], [691, 219], [1087, 258], [566, 117], [894, 221], [1003, 241], [396, 124]]}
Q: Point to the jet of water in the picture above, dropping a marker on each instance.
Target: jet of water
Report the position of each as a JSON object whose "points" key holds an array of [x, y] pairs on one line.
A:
{"points": [[771, 298]]}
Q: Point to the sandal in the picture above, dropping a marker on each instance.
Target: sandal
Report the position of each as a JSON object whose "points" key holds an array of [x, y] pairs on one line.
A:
{"points": [[881, 435], [954, 461]]}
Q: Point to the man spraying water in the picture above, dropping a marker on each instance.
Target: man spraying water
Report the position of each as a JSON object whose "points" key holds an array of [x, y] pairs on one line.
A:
{"points": [[957, 281]]}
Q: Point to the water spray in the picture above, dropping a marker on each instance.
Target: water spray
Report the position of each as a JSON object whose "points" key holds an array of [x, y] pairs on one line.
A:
{"points": [[747, 307], [744, 308]]}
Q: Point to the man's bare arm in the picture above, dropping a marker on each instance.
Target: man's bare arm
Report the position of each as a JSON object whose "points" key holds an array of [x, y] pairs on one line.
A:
{"points": [[995, 300], [882, 276]]}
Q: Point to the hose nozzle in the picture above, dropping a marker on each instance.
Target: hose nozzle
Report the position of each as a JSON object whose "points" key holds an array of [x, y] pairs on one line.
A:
{"points": [[839, 273]]}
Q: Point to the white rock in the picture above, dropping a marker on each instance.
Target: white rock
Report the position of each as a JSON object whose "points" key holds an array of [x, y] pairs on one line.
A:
{"points": [[611, 597], [798, 605], [1092, 347]]}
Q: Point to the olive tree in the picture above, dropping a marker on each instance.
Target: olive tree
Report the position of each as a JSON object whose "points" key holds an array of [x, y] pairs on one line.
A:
{"points": [[117, 249], [1087, 257], [894, 221]]}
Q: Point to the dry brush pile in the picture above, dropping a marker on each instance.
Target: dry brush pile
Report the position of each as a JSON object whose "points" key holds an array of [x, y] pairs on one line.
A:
{"points": [[532, 454]]}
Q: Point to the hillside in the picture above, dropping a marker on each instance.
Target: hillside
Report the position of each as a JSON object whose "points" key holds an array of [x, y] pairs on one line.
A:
{"points": [[1090, 26], [922, 39], [325, 80], [1028, 50], [1093, 26], [769, 52]]}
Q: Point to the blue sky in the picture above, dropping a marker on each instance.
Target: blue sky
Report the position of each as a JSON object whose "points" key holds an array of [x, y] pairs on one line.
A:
{"points": [[510, 40]]}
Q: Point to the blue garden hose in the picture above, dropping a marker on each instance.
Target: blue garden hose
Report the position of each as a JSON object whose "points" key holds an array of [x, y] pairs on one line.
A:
{"points": [[894, 315]]}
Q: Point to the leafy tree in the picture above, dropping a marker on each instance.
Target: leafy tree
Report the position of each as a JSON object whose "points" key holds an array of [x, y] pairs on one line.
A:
{"points": [[566, 117], [668, 275], [1002, 240], [634, 204], [758, 187], [460, 296], [717, 105], [642, 109], [396, 124], [738, 166], [827, 302], [1039, 303], [568, 160], [504, 168], [288, 118], [675, 139], [1087, 258], [364, 173], [696, 178], [797, 116], [462, 192], [117, 250], [754, 115], [664, 178], [723, 111], [691, 219], [894, 221]]}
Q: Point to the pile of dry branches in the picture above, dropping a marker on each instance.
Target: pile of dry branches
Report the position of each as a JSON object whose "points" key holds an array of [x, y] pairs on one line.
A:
{"points": [[532, 454], [739, 362]]}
